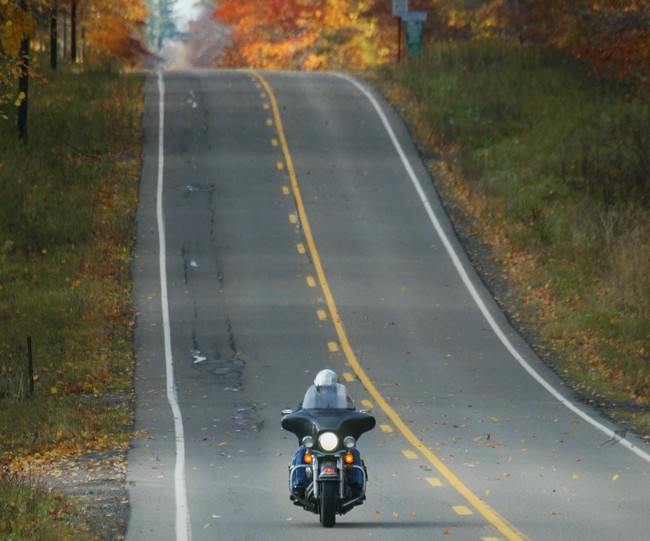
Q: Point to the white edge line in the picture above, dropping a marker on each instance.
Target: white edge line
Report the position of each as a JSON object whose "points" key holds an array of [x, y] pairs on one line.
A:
{"points": [[472, 289], [183, 528]]}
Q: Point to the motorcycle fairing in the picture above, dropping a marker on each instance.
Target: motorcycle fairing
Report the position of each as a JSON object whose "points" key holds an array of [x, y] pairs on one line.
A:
{"points": [[312, 422]]}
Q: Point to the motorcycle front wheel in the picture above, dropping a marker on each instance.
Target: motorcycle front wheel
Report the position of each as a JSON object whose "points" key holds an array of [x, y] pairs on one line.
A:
{"points": [[328, 504]]}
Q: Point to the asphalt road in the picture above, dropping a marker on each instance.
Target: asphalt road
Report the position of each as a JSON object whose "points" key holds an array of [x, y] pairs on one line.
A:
{"points": [[286, 224]]}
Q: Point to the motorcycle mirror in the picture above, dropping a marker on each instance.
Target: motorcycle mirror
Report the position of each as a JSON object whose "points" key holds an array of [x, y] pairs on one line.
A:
{"points": [[287, 411]]}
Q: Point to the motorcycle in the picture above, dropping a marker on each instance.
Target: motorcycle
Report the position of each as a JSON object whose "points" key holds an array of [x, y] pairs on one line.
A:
{"points": [[329, 460]]}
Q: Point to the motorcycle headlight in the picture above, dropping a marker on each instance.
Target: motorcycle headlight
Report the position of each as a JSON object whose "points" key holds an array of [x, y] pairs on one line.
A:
{"points": [[308, 442], [349, 442], [328, 441]]}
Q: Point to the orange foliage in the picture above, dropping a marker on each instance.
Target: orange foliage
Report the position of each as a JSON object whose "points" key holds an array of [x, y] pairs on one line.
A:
{"points": [[294, 34], [619, 44], [114, 27], [268, 33], [614, 35]]}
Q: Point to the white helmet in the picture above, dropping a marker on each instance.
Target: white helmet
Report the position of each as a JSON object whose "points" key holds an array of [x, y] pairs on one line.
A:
{"points": [[326, 377]]}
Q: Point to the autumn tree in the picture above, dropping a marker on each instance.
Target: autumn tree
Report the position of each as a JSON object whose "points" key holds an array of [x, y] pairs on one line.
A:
{"points": [[17, 19], [614, 35], [303, 34], [113, 28], [618, 39]]}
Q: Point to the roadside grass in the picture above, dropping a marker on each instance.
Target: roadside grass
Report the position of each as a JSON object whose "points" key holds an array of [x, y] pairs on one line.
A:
{"points": [[24, 509], [66, 227], [553, 170]]}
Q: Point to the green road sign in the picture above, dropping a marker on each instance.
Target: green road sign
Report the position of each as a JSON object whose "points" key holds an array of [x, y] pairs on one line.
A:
{"points": [[414, 32]]}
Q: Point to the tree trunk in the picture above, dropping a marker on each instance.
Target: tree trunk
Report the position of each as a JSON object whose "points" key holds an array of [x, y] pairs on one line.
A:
{"points": [[23, 84], [54, 37], [73, 31]]}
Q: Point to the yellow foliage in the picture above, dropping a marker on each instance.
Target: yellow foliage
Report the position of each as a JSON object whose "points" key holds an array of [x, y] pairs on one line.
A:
{"points": [[295, 34], [114, 27]]}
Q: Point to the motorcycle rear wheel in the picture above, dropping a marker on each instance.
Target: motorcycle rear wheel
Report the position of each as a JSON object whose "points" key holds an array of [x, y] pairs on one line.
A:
{"points": [[328, 504]]}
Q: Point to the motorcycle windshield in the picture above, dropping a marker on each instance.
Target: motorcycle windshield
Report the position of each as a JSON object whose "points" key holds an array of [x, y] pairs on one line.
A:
{"points": [[333, 396]]}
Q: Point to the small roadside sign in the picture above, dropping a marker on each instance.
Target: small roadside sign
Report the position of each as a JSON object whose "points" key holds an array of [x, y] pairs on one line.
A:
{"points": [[400, 7], [414, 32]]}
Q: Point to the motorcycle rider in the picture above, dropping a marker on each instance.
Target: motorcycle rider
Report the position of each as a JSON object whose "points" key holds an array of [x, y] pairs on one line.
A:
{"points": [[327, 392]]}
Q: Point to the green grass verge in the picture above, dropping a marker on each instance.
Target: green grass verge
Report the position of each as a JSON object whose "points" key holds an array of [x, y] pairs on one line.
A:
{"points": [[553, 169], [32, 513], [66, 229]]}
